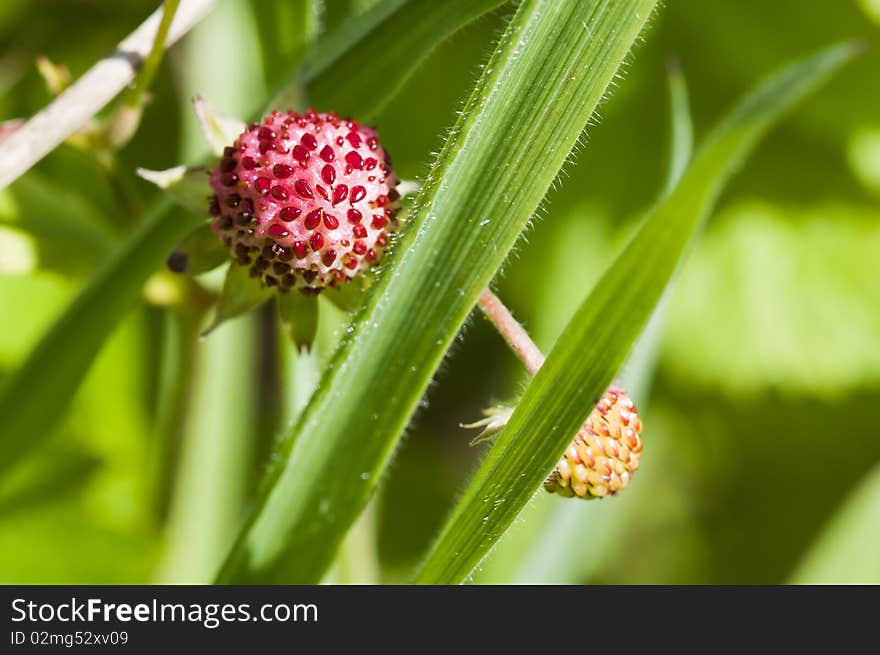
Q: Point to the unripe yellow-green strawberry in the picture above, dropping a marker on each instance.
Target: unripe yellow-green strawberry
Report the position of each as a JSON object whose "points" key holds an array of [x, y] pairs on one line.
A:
{"points": [[605, 453]]}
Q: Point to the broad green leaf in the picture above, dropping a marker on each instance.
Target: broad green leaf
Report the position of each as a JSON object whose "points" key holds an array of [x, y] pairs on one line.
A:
{"points": [[186, 185], [37, 394], [199, 251], [241, 293], [597, 340], [846, 550], [335, 44], [333, 47], [299, 316], [550, 70], [111, 293]]}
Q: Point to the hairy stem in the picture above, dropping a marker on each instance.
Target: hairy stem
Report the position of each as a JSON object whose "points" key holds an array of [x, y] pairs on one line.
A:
{"points": [[514, 334]]}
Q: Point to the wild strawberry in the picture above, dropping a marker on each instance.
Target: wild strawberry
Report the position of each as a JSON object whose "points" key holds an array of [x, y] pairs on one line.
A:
{"points": [[604, 454], [306, 201]]}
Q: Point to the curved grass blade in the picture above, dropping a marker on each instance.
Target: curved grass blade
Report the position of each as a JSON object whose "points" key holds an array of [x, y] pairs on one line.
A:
{"points": [[38, 393], [846, 550], [550, 70], [599, 336], [534, 550], [36, 397]]}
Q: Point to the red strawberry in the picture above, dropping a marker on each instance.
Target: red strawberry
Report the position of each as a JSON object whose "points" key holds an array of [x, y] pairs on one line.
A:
{"points": [[307, 201]]}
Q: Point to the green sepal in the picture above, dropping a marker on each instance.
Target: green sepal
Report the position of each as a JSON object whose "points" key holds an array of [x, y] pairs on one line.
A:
{"points": [[349, 296], [186, 185], [241, 293], [220, 130], [199, 251], [298, 314]]}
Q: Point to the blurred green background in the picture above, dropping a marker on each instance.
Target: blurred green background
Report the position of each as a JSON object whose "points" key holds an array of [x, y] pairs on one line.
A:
{"points": [[760, 399]]}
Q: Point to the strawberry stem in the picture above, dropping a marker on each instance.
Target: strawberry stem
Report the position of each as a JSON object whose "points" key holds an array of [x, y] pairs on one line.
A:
{"points": [[514, 334]]}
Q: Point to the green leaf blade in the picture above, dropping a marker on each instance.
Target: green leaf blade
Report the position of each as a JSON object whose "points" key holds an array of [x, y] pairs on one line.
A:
{"points": [[38, 393], [408, 34], [537, 93], [598, 338]]}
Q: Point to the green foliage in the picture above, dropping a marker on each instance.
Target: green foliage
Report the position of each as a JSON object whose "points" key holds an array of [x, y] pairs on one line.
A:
{"points": [[133, 449], [381, 370], [599, 336], [408, 34], [54, 367]]}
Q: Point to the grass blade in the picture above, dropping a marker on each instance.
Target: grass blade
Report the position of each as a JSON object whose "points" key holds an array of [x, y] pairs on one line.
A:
{"points": [[534, 551], [37, 394], [288, 28], [217, 457], [846, 551], [408, 34], [598, 338], [549, 72]]}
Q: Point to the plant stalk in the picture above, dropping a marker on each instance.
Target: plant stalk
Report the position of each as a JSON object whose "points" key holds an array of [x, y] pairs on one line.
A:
{"points": [[514, 334], [127, 118]]}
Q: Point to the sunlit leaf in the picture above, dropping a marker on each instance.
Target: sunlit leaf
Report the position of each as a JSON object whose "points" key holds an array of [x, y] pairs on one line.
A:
{"points": [[794, 301]]}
